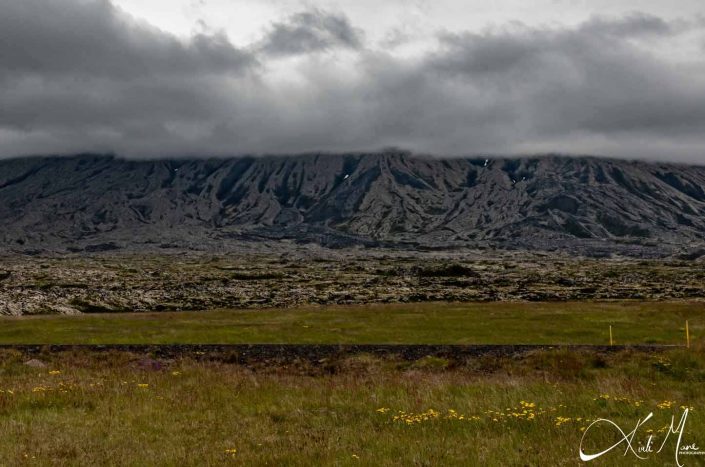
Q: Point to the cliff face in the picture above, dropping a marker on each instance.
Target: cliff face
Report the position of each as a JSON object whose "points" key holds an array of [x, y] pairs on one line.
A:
{"points": [[394, 199]]}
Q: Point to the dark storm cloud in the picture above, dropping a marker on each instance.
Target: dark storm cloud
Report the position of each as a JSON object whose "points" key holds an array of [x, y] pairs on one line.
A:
{"points": [[591, 79], [81, 75], [311, 31], [521, 48], [94, 38]]}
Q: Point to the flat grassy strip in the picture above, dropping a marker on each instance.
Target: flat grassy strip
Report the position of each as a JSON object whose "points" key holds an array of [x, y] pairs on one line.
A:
{"points": [[633, 322]]}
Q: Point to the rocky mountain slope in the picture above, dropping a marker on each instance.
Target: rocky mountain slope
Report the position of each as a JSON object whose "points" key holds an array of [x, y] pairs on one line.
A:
{"points": [[587, 205]]}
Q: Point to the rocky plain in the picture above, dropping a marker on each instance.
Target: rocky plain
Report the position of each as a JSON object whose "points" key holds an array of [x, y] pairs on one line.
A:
{"points": [[310, 275]]}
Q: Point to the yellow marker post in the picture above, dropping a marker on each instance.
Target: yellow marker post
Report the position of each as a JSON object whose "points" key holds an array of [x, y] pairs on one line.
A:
{"points": [[687, 335], [611, 341]]}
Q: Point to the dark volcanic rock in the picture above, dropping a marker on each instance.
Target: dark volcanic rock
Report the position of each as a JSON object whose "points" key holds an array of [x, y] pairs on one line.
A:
{"points": [[595, 206]]}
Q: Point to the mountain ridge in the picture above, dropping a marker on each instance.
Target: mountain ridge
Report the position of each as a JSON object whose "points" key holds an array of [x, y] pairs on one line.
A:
{"points": [[586, 204]]}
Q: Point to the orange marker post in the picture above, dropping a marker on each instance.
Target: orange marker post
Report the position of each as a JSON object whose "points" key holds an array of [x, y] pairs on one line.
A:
{"points": [[687, 335]]}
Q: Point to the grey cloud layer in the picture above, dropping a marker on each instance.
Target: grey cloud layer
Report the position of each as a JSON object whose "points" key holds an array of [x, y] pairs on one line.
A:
{"points": [[94, 38], [311, 31], [80, 75]]}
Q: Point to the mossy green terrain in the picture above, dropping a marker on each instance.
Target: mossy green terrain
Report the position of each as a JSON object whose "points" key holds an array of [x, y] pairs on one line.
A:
{"points": [[71, 284], [633, 322]]}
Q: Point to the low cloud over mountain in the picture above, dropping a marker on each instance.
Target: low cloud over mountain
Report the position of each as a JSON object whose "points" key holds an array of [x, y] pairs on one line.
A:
{"points": [[83, 75]]}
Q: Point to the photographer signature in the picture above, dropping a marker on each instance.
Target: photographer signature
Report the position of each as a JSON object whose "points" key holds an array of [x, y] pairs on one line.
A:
{"points": [[642, 450]]}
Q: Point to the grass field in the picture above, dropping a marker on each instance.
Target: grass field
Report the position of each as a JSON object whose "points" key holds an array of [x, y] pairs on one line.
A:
{"points": [[93, 409], [118, 408], [633, 322]]}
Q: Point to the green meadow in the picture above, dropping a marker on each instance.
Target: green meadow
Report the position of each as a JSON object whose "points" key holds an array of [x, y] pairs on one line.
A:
{"points": [[633, 322]]}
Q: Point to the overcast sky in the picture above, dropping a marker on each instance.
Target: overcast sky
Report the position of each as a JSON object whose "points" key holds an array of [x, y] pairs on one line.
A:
{"points": [[147, 78]]}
